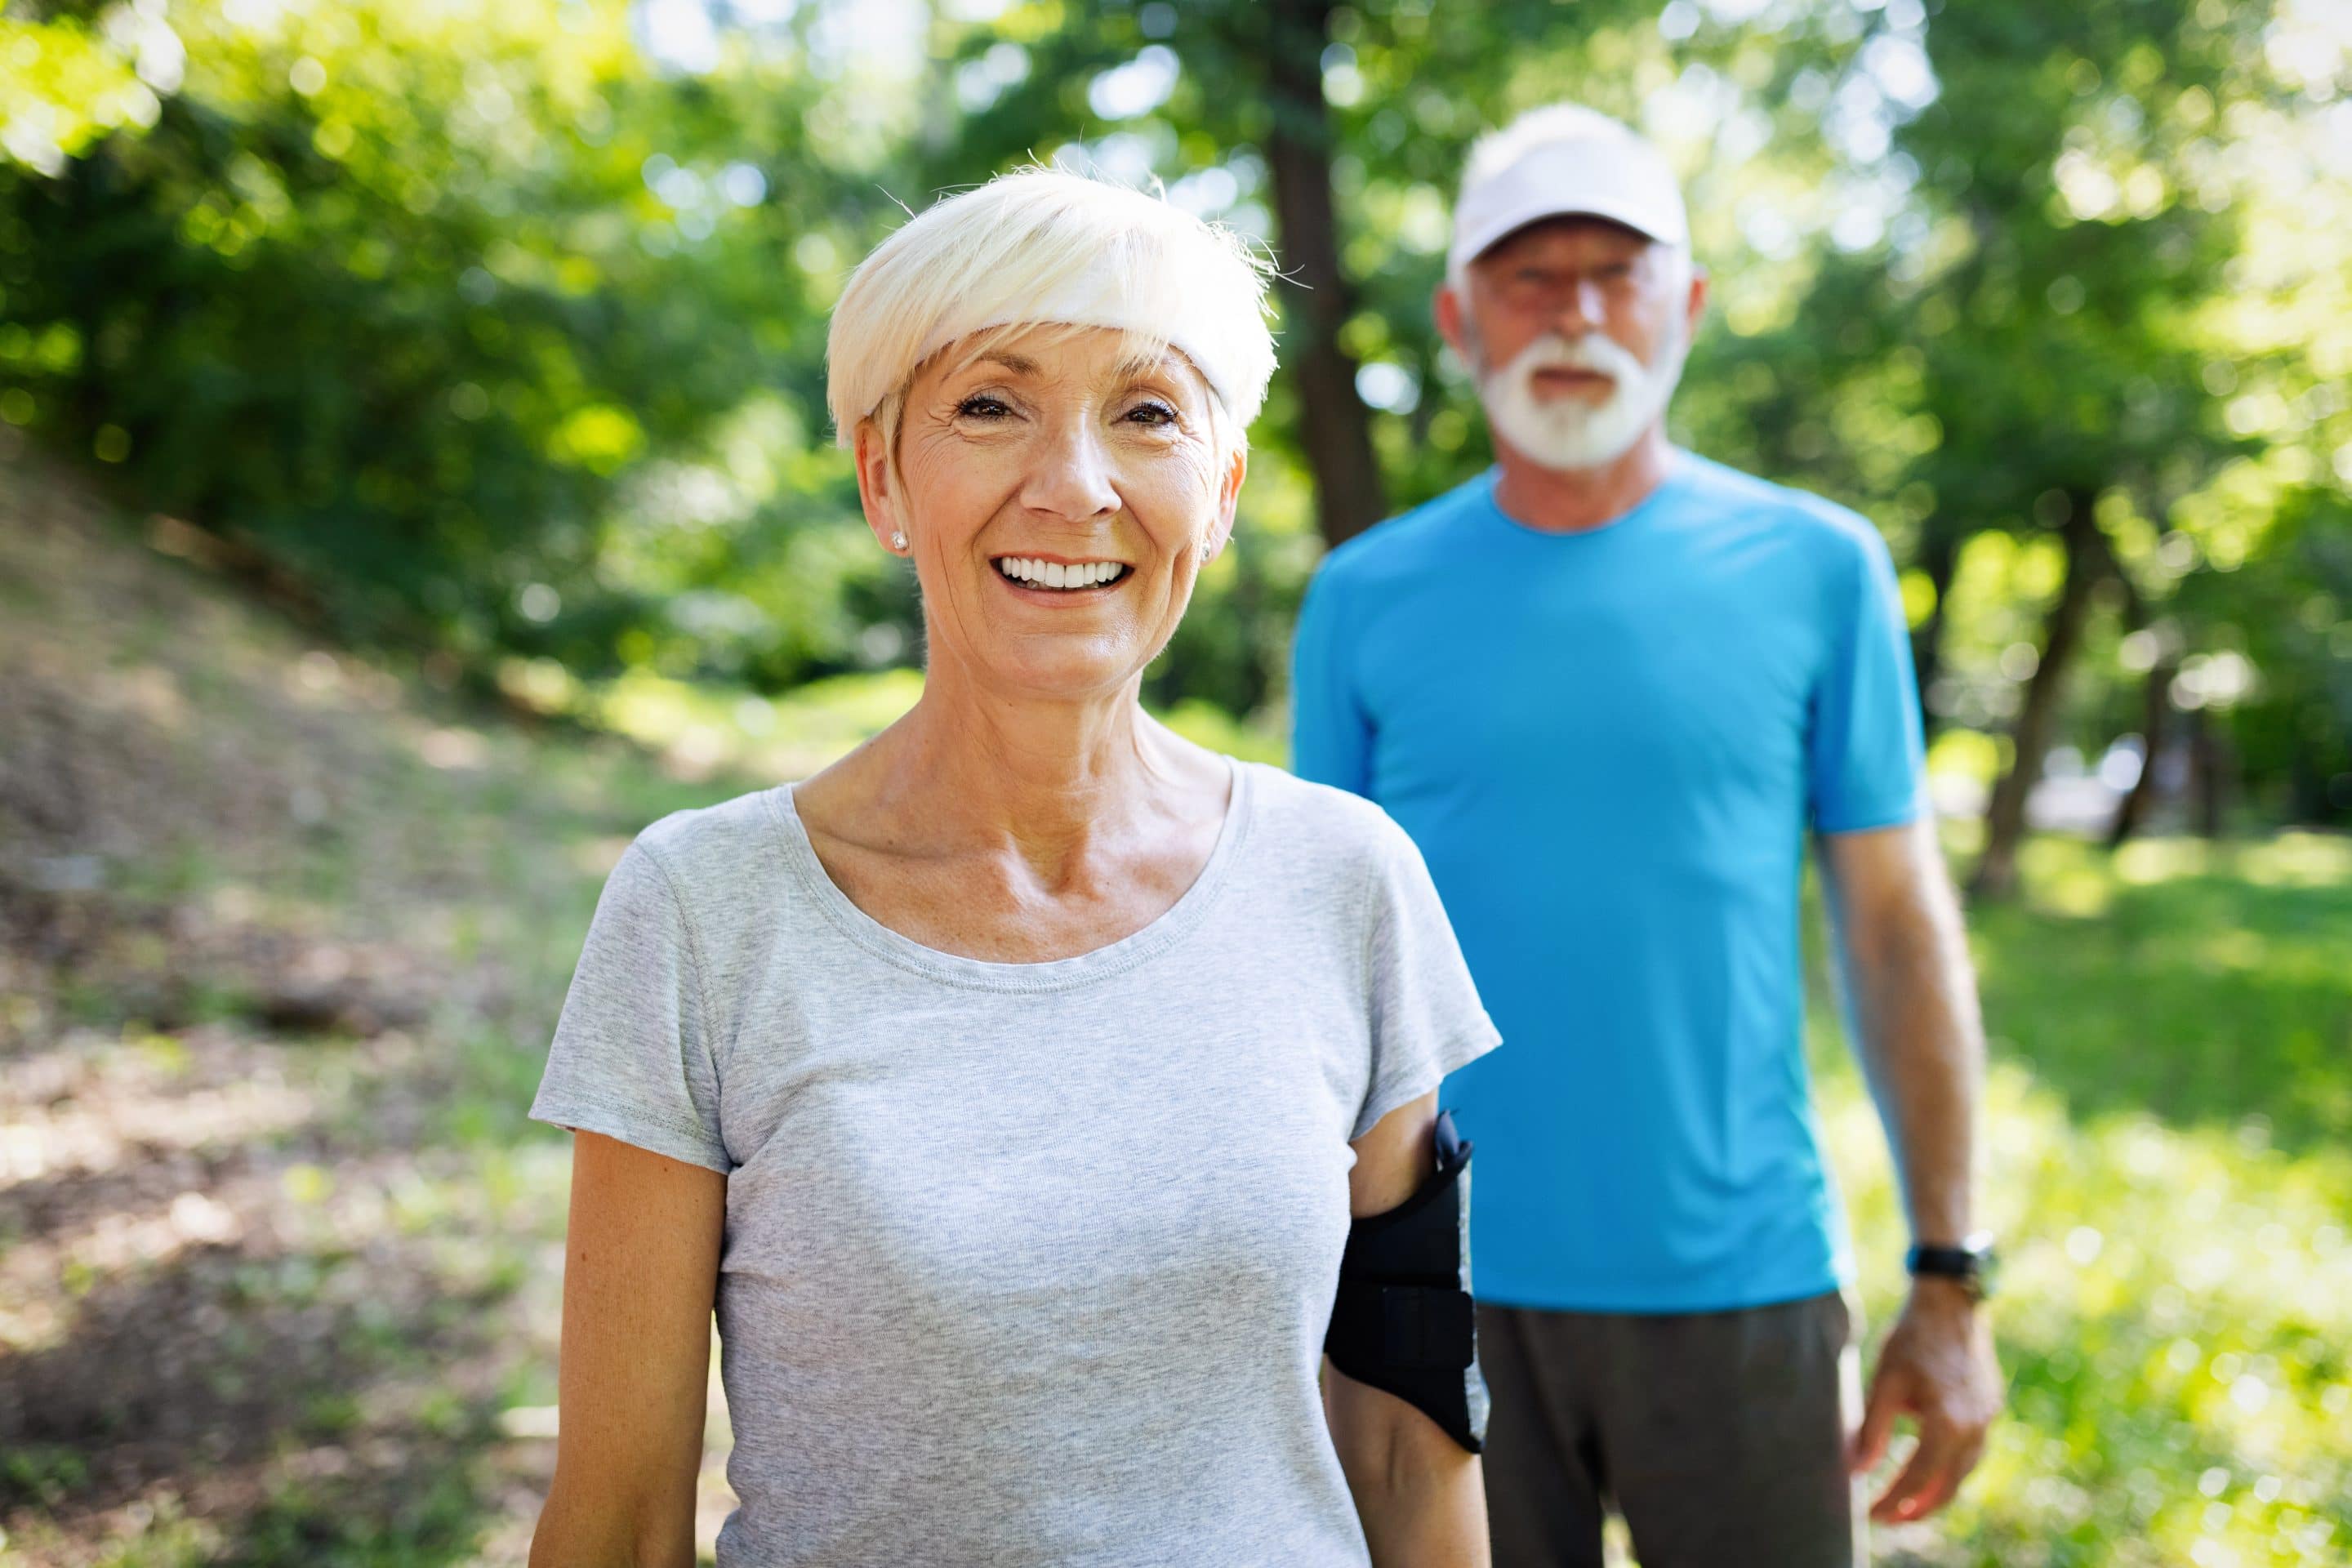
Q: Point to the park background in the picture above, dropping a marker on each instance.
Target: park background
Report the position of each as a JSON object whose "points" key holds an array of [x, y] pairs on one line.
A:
{"points": [[414, 479]]}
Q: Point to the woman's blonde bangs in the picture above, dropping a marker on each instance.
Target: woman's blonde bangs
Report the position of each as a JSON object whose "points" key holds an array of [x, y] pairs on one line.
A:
{"points": [[1046, 248]]}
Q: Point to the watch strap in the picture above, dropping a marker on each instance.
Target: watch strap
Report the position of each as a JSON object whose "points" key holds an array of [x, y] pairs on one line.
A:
{"points": [[1968, 1263]]}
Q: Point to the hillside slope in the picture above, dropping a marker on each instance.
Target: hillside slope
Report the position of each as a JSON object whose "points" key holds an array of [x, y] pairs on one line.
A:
{"points": [[280, 937]]}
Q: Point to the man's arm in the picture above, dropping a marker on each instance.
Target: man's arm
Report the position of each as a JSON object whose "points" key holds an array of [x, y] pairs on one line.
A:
{"points": [[1422, 1500], [1912, 996]]}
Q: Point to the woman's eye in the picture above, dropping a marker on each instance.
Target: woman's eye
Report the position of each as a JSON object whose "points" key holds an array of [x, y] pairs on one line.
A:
{"points": [[982, 408], [1153, 415]]}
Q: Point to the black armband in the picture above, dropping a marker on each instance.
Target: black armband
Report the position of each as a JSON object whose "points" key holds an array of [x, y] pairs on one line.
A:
{"points": [[1403, 1321]]}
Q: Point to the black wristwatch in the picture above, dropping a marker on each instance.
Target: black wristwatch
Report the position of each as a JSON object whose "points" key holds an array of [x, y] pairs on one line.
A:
{"points": [[1969, 1265]]}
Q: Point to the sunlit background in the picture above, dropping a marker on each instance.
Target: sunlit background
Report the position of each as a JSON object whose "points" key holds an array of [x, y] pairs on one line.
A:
{"points": [[413, 479]]}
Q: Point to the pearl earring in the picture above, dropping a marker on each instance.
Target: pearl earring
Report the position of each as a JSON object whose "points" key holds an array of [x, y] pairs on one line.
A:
{"points": [[897, 540]]}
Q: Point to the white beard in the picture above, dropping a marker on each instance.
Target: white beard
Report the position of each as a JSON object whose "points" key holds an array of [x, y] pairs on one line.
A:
{"points": [[1566, 433]]}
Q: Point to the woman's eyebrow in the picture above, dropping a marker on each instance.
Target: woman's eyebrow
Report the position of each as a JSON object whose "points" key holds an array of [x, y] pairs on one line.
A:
{"points": [[1012, 362], [1139, 367]]}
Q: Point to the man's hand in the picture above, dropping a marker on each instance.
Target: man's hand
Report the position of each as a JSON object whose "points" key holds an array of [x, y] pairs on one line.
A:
{"points": [[1936, 1367]]}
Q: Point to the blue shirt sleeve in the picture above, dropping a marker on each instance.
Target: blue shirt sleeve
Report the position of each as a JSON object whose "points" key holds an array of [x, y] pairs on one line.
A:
{"points": [[1868, 758], [1330, 735]]}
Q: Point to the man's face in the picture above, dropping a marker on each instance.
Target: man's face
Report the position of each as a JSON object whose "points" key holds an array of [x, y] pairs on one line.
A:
{"points": [[1576, 329]]}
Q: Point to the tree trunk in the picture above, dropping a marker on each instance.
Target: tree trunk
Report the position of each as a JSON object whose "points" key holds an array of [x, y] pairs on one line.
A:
{"points": [[1996, 872], [1334, 427], [1939, 558], [2208, 772], [2156, 717]]}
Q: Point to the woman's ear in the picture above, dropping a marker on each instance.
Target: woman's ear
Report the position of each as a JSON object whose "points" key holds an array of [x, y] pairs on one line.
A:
{"points": [[878, 483]]}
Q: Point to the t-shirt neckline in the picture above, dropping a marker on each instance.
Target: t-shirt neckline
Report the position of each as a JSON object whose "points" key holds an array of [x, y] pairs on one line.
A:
{"points": [[1678, 475], [1169, 927]]}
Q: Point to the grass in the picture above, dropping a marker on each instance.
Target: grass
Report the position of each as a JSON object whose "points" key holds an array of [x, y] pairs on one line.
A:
{"points": [[2166, 1164]]}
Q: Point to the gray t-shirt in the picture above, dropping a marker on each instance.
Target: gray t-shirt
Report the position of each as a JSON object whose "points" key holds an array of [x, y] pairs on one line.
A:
{"points": [[1025, 1263]]}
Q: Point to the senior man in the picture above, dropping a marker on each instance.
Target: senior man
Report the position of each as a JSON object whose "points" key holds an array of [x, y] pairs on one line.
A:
{"points": [[1610, 686]]}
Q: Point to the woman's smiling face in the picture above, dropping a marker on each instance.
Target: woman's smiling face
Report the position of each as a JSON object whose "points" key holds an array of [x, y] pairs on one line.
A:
{"points": [[1059, 499]]}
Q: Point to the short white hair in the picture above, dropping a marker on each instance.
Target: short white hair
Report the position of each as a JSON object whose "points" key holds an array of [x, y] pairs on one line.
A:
{"points": [[1042, 248]]}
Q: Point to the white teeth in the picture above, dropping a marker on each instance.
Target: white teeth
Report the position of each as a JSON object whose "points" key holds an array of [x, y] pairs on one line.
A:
{"points": [[1037, 573]]}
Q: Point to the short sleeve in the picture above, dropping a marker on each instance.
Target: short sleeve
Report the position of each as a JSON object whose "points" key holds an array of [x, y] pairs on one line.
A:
{"points": [[1866, 756], [630, 1057], [1427, 1018], [1330, 735]]}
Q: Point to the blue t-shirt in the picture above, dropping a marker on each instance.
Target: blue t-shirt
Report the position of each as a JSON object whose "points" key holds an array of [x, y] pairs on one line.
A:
{"points": [[1609, 745]]}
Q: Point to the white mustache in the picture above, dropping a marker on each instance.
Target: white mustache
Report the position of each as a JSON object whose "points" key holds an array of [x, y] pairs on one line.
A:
{"points": [[1594, 351]]}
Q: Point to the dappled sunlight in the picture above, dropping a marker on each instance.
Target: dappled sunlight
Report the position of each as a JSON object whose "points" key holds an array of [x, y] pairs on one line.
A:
{"points": [[2198, 992], [55, 1126], [2284, 860], [597, 855], [2146, 862], [2174, 1307], [699, 729], [364, 1319], [2298, 861], [2075, 892]]}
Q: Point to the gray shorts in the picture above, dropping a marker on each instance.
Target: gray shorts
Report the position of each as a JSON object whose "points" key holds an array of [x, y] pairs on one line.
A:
{"points": [[1719, 1436]]}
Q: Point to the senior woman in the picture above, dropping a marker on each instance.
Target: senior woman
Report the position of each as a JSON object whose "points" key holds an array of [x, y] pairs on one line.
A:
{"points": [[1010, 1085]]}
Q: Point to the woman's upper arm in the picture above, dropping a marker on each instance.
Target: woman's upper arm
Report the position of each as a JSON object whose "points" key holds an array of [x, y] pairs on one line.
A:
{"points": [[640, 1275], [1421, 1498], [1394, 1158]]}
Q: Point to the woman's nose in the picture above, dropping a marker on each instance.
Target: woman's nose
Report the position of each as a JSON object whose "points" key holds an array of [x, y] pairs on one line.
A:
{"points": [[1071, 477]]}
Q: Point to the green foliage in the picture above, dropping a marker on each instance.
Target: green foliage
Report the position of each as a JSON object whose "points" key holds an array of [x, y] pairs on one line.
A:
{"points": [[413, 298]]}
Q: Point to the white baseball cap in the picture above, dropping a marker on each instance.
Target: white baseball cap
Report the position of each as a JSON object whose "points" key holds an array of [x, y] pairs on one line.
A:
{"points": [[1564, 160]]}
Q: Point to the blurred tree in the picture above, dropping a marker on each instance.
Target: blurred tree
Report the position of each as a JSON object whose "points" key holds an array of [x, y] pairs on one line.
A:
{"points": [[411, 300], [2021, 323], [502, 326], [1334, 427]]}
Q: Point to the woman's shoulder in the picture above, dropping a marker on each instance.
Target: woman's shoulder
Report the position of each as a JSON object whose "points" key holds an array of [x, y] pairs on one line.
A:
{"points": [[1329, 827], [710, 850]]}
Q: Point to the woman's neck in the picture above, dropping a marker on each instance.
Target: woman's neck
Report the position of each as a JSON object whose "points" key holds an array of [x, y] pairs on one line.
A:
{"points": [[1054, 778]]}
